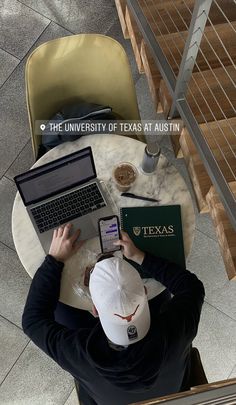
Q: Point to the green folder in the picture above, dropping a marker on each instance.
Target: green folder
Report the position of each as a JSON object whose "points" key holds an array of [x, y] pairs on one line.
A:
{"points": [[157, 230]]}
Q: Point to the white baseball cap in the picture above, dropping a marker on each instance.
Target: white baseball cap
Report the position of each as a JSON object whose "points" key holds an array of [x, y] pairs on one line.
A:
{"points": [[118, 294]]}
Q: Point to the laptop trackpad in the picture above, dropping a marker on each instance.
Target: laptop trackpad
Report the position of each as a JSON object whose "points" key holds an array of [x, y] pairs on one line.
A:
{"points": [[86, 226]]}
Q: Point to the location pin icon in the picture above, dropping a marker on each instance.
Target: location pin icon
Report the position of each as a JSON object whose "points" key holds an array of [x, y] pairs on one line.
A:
{"points": [[42, 127]]}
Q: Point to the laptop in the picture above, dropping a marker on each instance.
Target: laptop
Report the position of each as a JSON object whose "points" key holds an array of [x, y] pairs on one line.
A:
{"points": [[64, 190]]}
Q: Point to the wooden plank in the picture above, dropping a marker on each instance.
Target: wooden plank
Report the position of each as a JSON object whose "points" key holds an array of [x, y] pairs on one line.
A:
{"points": [[201, 183], [209, 56], [224, 230], [220, 130], [176, 146], [206, 98], [187, 146], [120, 6], [221, 140], [214, 197], [166, 17], [220, 33], [198, 174], [217, 17], [135, 37], [228, 168], [218, 211], [219, 135], [173, 398], [165, 98], [227, 255]]}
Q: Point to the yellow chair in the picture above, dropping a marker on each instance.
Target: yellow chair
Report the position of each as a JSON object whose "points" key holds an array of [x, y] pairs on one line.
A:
{"points": [[85, 67]]}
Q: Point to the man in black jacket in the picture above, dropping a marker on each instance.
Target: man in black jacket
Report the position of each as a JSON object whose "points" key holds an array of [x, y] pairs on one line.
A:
{"points": [[117, 371]]}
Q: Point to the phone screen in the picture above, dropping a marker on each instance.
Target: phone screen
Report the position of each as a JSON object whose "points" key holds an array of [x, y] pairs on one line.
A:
{"points": [[109, 233]]}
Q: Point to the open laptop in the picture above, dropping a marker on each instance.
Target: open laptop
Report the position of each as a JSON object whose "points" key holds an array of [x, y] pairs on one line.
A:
{"points": [[64, 190]]}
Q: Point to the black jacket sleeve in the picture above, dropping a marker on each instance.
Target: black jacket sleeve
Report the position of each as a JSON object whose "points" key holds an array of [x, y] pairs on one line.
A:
{"points": [[43, 296], [38, 317], [183, 312]]}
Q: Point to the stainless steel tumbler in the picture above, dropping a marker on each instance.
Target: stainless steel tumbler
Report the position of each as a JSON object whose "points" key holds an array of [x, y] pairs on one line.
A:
{"points": [[151, 155]]}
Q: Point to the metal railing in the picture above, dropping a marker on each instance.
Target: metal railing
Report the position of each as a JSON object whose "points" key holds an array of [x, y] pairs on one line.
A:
{"points": [[180, 41]]}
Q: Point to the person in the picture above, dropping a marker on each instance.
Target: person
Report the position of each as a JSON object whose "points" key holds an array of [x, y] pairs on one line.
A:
{"points": [[132, 349]]}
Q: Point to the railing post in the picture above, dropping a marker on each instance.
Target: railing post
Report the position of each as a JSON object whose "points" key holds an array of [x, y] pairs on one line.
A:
{"points": [[150, 39], [196, 30]]}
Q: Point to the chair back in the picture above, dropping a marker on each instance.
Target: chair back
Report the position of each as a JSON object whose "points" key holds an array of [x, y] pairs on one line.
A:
{"points": [[79, 68]]}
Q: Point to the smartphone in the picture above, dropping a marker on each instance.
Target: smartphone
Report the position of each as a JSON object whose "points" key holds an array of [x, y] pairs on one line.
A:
{"points": [[109, 232]]}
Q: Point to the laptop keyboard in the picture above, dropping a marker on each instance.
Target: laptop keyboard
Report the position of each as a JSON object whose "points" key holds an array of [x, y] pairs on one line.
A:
{"points": [[68, 207]]}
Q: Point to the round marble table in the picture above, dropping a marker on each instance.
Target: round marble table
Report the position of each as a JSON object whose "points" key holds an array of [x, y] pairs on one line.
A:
{"points": [[166, 184]]}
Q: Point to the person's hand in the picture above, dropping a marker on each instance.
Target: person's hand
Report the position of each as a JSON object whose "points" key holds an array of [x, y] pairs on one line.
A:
{"points": [[64, 245], [130, 251]]}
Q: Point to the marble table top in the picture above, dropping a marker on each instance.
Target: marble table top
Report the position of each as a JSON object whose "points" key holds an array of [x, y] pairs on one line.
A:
{"points": [[166, 184]]}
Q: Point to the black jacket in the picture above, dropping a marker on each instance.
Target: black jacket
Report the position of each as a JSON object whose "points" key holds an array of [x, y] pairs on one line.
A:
{"points": [[152, 367]]}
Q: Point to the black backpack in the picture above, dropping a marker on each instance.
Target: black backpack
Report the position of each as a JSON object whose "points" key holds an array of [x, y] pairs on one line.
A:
{"points": [[73, 113]]}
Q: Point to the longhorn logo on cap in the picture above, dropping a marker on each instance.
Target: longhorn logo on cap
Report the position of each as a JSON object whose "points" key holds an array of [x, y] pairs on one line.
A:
{"points": [[128, 317]]}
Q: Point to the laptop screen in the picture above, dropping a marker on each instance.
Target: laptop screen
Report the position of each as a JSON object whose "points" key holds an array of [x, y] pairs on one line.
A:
{"points": [[57, 176]]}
